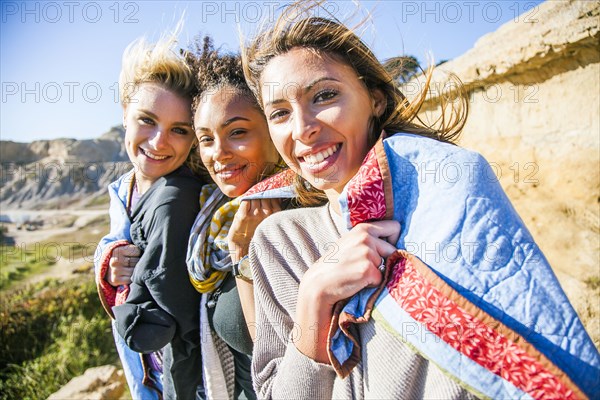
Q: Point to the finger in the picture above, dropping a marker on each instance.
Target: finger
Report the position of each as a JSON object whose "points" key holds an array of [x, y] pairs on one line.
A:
{"points": [[244, 209], [124, 279], [384, 249], [387, 230], [380, 233], [253, 207], [374, 276], [266, 207], [131, 251], [275, 205], [132, 262]]}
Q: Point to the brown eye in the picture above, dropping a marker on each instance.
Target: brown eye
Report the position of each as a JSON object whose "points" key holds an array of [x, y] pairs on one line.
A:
{"points": [[237, 132], [278, 115], [146, 121], [325, 95], [180, 131]]}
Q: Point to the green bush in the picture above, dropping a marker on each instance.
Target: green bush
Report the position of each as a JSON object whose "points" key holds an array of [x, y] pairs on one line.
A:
{"points": [[50, 333]]}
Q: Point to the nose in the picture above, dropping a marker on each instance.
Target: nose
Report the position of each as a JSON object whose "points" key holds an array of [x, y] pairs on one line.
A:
{"points": [[159, 139], [305, 125], [221, 151]]}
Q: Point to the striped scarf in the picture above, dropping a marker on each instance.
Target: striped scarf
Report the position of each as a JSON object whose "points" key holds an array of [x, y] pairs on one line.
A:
{"points": [[208, 258]]}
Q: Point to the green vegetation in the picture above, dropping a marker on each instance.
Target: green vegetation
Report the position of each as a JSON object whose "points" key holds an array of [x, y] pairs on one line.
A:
{"points": [[49, 333], [54, 330], [18, 262]]}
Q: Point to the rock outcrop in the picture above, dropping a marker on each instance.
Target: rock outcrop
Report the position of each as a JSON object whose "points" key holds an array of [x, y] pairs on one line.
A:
{"points": [[533, 93], [60, 173], [99, 383]]}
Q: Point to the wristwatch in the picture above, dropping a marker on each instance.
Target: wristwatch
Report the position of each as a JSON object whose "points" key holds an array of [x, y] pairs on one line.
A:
{"points": [[242, 269]]}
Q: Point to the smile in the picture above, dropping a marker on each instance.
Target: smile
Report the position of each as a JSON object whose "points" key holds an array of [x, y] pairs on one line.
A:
{"points": [[320, 156], [152, 156], [321, 160], [228, 172]]}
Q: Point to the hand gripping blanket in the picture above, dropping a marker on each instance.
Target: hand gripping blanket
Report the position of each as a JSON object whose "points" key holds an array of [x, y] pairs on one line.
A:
{"points": [[468, 288]]}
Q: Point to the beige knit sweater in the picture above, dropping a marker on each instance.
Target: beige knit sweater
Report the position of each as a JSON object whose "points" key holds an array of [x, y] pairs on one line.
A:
{"points": [[283, 248]]}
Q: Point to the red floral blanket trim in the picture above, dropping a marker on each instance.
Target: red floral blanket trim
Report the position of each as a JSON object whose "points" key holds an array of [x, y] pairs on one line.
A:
{"points": [[365, 192], [279, 180], [109, 295], [475, 334], [386, 175]]}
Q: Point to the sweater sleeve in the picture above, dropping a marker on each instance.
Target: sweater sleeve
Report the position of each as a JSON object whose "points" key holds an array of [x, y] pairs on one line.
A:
{"points": [[279, 370], [162, 300]]}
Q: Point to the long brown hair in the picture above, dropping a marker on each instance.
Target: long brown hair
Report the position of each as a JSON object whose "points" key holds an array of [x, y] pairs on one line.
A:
{"points": [[297, 26]]}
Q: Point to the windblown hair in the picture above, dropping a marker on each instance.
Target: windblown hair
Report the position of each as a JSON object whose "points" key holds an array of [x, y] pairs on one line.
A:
{"points": [[164, 64], [213, 70], [298, 26], [159, 63]]}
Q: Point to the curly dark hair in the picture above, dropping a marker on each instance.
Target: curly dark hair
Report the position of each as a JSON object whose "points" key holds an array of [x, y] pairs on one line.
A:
{"points": [[213, 70]]}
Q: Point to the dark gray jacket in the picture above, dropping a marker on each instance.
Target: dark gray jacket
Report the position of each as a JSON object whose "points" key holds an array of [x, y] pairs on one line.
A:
{"points": [[162, 306]]}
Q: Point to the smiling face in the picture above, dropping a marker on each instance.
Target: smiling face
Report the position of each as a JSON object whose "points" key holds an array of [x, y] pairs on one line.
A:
{"points": [[319, 115], [234, 141], [159, 134]]}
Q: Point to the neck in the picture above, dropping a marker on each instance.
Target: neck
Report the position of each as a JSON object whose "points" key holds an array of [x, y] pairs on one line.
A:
{"points": [[333, 195], [142, 184]]}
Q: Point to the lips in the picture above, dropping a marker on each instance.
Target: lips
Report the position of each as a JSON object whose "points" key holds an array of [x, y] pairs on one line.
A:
{"points": [[320, 160], [320, 156], [228, 172], [152, 156]]}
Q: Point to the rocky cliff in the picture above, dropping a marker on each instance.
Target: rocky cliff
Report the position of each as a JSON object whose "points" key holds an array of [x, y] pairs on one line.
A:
{"points": [[534, 112], [60, 173]]}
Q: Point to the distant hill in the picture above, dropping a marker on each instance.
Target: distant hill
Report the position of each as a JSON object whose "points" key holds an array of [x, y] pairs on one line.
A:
{"points": [[62, 172]]}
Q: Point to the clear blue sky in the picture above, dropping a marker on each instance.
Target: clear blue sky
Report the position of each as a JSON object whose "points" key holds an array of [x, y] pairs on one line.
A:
{"points": [[60, 60]]}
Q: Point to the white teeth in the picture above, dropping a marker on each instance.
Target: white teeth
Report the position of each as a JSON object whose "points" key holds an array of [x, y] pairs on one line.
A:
{"points": [[320, 156], [153, 156]]}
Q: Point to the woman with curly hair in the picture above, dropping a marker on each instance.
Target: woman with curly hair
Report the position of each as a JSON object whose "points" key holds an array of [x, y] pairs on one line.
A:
{"points": [[234, 145]]}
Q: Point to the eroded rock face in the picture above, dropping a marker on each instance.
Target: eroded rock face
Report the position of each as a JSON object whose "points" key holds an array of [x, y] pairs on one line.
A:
{"points": [[552, 38], [532, 89], [106, 148], [99, 383], [61, 172]]}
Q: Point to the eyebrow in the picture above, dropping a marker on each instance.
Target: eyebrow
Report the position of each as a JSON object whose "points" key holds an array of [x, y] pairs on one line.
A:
{"points": [[151, 114], [307, 89], [224, 124]]}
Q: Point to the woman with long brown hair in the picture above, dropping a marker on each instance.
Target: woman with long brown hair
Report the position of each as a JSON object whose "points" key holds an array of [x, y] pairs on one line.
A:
{"points": [[341, 311]]}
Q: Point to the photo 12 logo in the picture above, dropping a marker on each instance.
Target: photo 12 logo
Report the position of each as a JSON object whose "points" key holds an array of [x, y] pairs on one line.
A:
{"points": [[69, 11], [467, 11], [253, 11]]}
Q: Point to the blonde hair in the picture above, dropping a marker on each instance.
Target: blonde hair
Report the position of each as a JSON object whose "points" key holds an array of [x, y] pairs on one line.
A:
{"points": [[329, 37], [164, 64], [158, 63]]}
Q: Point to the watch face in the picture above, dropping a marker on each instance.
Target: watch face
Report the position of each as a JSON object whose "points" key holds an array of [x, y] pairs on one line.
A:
{"points": [[244, 269]]}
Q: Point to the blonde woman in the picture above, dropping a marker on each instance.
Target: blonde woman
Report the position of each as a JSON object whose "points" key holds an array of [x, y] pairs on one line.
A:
{"points": [[141, 273]]}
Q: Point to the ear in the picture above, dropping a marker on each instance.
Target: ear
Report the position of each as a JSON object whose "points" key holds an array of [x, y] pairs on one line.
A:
{"points": [[379, 102]]}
